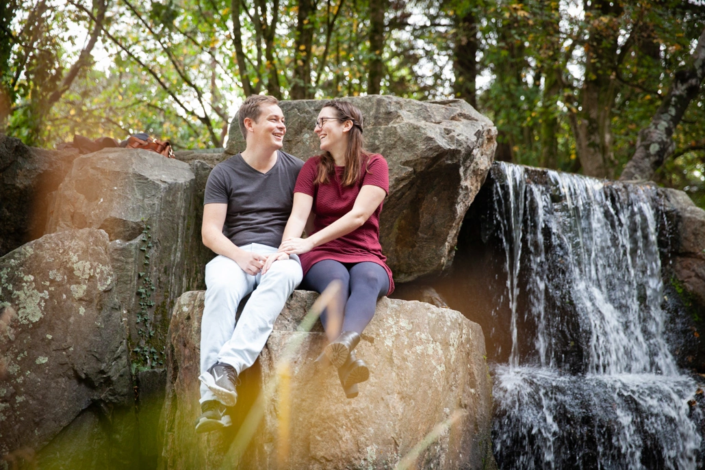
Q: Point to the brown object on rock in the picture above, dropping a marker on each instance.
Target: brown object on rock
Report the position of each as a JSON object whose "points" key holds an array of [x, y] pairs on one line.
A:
{"points": [[27, 178], [427, 368], [439, 154], [161, 147]]}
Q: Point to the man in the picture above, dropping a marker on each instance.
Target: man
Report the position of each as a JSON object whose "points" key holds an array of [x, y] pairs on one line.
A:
{"points": [[247, 201]]}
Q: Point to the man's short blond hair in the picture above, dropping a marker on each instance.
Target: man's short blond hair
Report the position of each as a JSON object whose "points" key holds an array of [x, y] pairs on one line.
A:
{"points": [[251, 108]]}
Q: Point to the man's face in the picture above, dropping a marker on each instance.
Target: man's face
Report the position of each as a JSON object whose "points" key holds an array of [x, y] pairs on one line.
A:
{"points": [[269, 127]]}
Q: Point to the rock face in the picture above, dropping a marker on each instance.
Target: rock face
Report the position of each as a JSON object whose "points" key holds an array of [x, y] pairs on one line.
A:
{"points": [[151, 208], [685, 277], [438, 153], [27, 177], [426, 364], [689, 243], [63, 352]]}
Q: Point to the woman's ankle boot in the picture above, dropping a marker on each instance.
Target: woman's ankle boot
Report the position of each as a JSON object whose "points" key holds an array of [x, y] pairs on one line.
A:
{"points": [[339, 350], [353, 372]]}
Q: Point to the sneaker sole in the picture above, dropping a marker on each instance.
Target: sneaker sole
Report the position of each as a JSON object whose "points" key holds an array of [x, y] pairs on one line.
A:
{"points": [[226, 397], [210, 425], [357, 375], [337, 354]]}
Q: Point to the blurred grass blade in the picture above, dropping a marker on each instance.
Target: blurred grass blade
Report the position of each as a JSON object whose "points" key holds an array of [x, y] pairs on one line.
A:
{"points": [[409, 460]]}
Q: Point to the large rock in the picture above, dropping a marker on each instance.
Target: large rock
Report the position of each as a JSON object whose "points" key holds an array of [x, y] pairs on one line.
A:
{"points": [[688, 242], [64, 365], [427, 366], [439, 154], [151, 207], [27, 177]]}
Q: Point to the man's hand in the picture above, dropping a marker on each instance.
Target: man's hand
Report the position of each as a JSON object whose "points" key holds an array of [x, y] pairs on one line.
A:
{"points": [[251, 263], [271, 259], [296, 246]]}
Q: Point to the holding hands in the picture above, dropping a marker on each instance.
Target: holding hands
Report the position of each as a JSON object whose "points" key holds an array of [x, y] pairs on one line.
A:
{"points": [[296, 246]]}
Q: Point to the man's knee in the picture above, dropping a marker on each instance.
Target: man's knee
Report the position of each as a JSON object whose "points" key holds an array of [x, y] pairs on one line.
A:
{"points": [[287, 270]]}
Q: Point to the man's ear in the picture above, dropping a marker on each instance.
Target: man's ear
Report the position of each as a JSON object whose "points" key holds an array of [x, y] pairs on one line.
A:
{"points": [[249, 125]]}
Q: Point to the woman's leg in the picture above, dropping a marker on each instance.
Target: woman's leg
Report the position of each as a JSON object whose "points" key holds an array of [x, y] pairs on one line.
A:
{"points": [[317, 278], [368, 282]]}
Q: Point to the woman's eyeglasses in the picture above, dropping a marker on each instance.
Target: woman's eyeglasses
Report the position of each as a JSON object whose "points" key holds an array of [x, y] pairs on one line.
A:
{"points": [[321, 121]]}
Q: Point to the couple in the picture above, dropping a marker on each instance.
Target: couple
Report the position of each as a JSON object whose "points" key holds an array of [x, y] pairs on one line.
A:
{"points": [[257, 205]]}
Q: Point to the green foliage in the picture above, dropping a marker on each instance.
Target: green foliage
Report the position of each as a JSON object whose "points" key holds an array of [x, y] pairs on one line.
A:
{"points": [[543, 69], [144, 354]]}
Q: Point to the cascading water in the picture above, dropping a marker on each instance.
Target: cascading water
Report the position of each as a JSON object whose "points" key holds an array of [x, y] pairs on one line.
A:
{"points": [[589, 381]]}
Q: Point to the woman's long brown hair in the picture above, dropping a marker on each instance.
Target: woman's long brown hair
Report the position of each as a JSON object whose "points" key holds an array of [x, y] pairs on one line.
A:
{"points": [[355, 154]]}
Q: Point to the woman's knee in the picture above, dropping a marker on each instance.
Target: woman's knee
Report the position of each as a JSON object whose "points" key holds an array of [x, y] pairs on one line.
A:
{"points": [[368, 277]]}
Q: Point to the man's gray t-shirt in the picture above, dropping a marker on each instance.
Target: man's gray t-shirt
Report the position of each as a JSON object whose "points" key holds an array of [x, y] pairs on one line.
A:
{"points": [[259, 204]]}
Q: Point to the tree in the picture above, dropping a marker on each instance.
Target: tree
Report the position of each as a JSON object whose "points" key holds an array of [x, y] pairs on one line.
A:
{"points": [[655, 141]]}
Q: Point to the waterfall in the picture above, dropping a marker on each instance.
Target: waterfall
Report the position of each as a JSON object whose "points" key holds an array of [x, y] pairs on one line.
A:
{"points": [[590, 381]]}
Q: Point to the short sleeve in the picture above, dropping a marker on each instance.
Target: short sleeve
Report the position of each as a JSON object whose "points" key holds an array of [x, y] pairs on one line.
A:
{"points": [[216, 188], [377, 173], [307, 176]]}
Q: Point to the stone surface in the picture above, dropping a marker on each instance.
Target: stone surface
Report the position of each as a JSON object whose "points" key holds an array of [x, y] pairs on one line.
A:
{"points": [[151, 207], [425, 362], [438, 153], [688, 242], [27, 177], [63, 352]]}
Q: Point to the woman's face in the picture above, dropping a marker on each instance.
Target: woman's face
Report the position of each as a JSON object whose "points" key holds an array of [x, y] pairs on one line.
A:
{"points": [[330, 130]]}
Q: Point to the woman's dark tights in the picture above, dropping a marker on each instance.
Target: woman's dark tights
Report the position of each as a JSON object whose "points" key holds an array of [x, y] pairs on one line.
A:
{"points": [[363, 283]]}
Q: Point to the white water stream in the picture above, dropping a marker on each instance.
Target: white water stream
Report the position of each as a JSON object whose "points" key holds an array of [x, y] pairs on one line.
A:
{"points": [[590, 381]]}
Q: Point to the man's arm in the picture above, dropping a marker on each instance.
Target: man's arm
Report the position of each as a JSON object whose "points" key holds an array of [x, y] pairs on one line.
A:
{"points": [[213, 238]]}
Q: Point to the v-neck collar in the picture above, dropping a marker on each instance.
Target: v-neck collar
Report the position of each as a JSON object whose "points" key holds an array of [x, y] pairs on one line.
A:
{"points": [[256, 170]]}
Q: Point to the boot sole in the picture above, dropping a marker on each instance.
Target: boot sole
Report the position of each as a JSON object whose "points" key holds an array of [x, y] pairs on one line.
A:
{"points": [[337, 354], [357, 375], [226, 397]]}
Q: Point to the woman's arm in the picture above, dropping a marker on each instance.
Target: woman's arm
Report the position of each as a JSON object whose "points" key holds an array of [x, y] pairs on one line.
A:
{"points": [[294, 226], [299, 215], [366, 203]]}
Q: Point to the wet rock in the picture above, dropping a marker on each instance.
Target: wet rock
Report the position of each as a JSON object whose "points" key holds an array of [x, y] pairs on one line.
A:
{"points": [[438, 153], [688, 246], [27, 177], [427, 367], [63, 346]]}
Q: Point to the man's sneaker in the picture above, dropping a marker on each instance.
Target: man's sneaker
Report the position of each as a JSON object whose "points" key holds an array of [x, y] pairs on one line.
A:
{"points": [[214, 416], [221, 380]]}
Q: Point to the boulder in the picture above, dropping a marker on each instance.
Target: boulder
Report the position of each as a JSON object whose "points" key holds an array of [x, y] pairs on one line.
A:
{"points": [[427, 371], [27, 177], [151, 207], [687, 241], [64, 362], [438, 153]]}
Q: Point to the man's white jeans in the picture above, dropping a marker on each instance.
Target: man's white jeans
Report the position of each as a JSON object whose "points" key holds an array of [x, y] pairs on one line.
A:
{"points": [[226, 285]]}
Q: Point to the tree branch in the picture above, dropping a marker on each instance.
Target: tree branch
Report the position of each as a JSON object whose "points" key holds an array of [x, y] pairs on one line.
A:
{"points": [[83, 57], [655, 142]]}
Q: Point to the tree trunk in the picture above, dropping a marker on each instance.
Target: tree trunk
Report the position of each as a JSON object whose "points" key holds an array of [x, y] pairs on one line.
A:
{"points": [[655, 142], [594, 133], [377, 28], [465, 55], [239, 52], [303, 40], [7, 39]]}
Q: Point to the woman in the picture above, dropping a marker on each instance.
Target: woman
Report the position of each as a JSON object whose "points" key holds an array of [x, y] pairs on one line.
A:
{"points": [[344, 189]]}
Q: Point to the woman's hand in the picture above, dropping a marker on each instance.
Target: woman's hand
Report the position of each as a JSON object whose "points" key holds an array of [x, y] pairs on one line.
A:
{"points": [[271, 259], [296, 246]]}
